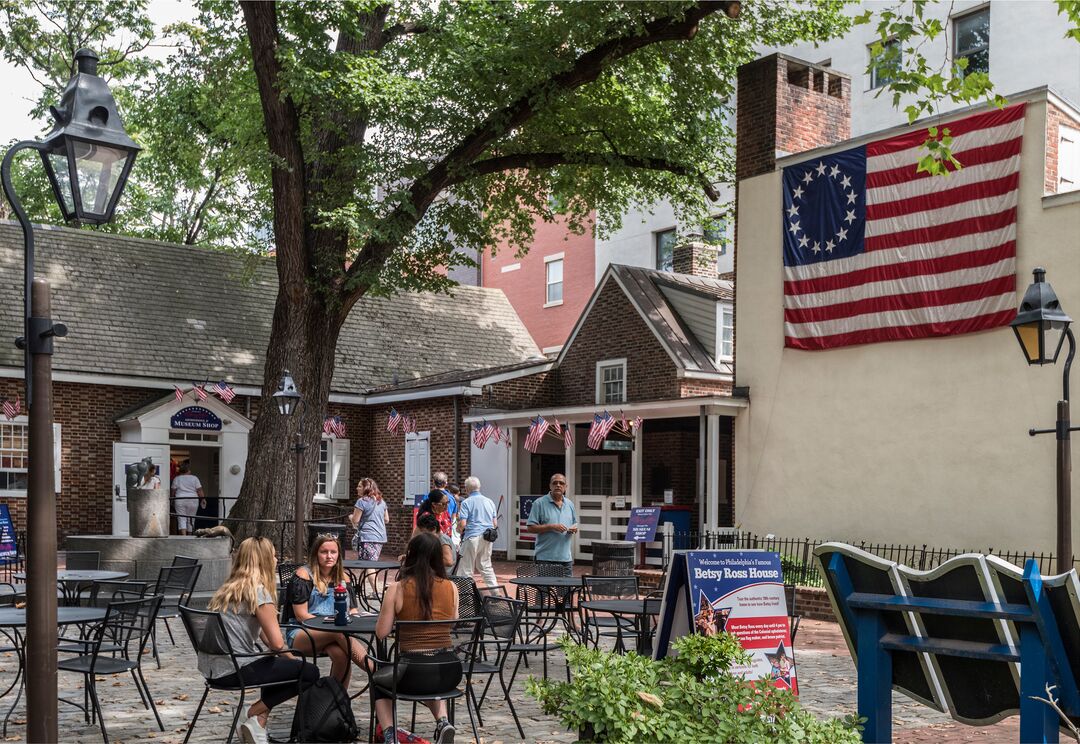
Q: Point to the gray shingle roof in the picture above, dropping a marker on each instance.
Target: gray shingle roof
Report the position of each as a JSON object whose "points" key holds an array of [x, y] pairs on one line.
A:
{"points": [[142, 308]]}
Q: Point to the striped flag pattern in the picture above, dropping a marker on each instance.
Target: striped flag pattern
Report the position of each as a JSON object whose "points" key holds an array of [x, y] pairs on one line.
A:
{"points": [[537, 429], [224, 392], [337, 427], [12, 408], [179, 393], [199, 390], [599, 429], [481, 433], [568, 435], [394, 421], [875, 251]]}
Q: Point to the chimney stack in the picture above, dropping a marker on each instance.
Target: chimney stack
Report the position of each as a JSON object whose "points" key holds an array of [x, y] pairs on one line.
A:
{"points": [[786, 105]]}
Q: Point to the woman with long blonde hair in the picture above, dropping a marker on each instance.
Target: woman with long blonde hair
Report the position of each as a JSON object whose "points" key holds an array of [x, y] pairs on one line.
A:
{"points": [[248, 608]]}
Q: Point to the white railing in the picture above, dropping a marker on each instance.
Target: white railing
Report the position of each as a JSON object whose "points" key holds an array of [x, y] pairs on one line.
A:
{"points": [[599, 518]]}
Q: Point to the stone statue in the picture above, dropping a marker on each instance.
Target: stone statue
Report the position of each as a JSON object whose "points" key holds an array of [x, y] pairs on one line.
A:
{"points": [[137, 471]]}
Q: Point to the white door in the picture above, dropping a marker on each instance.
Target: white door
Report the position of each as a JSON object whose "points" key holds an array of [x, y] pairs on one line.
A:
{"points": [[126, 453], [417, 465], [491, 464]]}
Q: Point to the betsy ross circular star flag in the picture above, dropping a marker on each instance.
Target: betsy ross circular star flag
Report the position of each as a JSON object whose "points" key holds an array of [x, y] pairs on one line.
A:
{"points": [[875, 251]]}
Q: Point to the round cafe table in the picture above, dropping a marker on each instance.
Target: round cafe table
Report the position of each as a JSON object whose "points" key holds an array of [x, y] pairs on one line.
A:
{"points": [[75, 580], [370, 595], [556, 595], [15, 619], [639, 609]]}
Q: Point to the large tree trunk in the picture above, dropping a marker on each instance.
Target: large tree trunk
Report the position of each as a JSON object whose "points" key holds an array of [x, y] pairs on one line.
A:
{"points": [[302, 340]]}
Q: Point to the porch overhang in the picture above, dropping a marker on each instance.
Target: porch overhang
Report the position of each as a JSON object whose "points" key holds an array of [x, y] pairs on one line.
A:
{"points": [[722, 405]]}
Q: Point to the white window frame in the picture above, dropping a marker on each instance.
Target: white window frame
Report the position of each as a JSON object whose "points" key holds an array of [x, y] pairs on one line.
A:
{"points": [[1068, 164], [956, 52], [725, 312], [875, 77], [16, 493], [324, 476], [600, 367], [548, 284]]}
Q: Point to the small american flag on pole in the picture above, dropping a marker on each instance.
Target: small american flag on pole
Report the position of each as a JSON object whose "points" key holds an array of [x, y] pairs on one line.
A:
{"points": [[600, 428], [224, 392], [874, 250], [12, 409], [537, 429], [568, 435], [623, 423], [496, 433], [394, 421], [481, 433], [637, 422], [179, 393], [327, 425], [337, 426], [199, 390]]}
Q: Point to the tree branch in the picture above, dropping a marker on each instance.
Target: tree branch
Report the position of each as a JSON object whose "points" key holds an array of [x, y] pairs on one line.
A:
{"points": [[585, 69], [283, 136], [545, 160], [403, 29], [197, 219]]}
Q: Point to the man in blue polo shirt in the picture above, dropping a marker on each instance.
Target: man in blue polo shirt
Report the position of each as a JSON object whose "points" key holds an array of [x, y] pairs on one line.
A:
{"points": [[553, 519]]}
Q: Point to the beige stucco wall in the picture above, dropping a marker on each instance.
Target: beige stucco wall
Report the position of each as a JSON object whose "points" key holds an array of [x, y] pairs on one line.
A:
{"points": [[920, 441]]}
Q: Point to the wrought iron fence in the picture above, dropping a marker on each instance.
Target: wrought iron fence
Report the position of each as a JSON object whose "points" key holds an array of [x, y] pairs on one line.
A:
{"points": [[797, 554]]}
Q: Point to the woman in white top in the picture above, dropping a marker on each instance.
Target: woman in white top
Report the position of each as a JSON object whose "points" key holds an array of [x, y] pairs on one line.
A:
{"points": [[246, 603], [187, 490]]}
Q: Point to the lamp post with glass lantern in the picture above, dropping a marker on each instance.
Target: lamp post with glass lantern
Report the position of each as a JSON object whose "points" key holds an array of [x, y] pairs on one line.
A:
{"points": [[87, 157], [288, 399], [1041, 328]]}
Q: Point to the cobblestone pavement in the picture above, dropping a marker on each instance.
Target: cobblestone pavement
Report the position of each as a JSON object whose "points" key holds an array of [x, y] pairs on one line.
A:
{"points": [[825, 671]]}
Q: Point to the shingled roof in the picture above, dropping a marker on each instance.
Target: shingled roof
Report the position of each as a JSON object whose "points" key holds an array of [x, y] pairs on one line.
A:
{"points": [[141, 308]]}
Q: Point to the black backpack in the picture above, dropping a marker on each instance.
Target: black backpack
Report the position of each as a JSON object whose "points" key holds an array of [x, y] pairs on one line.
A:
{"points": [[324, 714]]}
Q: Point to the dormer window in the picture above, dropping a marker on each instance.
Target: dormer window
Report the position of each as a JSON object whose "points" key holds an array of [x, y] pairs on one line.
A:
{"points": [[611, 381]]}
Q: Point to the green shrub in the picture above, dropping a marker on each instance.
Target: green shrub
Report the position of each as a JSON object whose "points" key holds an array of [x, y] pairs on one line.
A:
{"points": [[690, 697]]}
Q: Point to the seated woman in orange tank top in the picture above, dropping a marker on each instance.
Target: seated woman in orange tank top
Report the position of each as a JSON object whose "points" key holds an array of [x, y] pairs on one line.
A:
{"points": [[422, 592]]}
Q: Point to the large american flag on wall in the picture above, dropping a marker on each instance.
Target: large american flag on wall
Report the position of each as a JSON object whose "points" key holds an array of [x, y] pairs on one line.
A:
{"points": [[874, 251]]}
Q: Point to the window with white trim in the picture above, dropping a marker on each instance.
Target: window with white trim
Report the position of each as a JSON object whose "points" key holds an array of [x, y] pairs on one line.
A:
{"points": [[665, 249], [971, 41], [332, 476], [884, 63], [1068, 169], [14, 457], [611, 381], [725, 346], [554, 281]]}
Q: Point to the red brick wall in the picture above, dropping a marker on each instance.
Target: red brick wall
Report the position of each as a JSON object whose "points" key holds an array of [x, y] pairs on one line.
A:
{"points": [[532, 391], [1055, 117], [526, 287], [689, 388], [614, 330], [812, 602]]}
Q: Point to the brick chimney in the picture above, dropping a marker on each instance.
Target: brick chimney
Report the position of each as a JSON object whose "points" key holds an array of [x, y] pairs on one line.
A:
{"points": [[785, 106], [691, 255]]}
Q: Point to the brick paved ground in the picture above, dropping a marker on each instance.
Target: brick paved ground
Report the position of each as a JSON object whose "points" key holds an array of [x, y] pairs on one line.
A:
{"points": [[825, 670]]}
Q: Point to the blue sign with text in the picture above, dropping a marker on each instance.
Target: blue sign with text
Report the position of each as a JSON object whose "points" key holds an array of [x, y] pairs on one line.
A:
{"points": [[641, 526], [195, 418], [8, 547]]}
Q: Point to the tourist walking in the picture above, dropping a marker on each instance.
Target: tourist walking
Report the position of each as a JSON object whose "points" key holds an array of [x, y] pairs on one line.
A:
{"points": [[188, 496], [369, 517], [479, 523], [554, 521], [248, 609]]}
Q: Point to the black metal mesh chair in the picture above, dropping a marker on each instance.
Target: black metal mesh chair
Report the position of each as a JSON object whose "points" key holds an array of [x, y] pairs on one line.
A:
{"points": [[208, 635], [285, 572], [468, 596], [502, 622], [390, 670], [183, 560], [102, 594], [601, 625], [116, 646], [499, 590], [175, 584]]}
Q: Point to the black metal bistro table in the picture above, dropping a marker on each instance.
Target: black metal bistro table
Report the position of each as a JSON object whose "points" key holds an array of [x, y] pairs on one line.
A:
{"points": [[358, 572], [558, 593], [74, 581], [639, 609], [14, 620]]}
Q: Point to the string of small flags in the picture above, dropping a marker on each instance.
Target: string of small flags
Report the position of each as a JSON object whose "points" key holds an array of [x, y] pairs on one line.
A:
{"points": [[201, 390], [486, 431], [400, 423], [12, 408], [334, 425], [601, 427]]}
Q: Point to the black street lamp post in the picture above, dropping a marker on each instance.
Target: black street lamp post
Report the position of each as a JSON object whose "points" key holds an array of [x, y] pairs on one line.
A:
{"points": [[288, 400], [1042, 327], [87, 157]]}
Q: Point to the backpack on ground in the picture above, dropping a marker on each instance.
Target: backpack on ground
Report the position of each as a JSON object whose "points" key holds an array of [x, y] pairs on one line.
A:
{"points": [[324, 714]]}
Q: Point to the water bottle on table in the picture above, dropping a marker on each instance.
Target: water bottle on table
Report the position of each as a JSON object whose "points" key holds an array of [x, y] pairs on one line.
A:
{"points": [[341, 605]]}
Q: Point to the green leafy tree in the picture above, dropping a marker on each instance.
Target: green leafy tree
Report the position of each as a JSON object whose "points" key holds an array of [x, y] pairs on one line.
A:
{"points": [[390, 126], [198, 179]]}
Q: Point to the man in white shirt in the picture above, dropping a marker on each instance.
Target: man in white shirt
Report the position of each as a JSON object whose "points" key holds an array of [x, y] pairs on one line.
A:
{"points": [[188, 496]]}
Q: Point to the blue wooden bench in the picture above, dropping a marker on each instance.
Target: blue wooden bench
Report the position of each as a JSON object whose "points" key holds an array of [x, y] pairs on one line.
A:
{"points": [[976, 638]]}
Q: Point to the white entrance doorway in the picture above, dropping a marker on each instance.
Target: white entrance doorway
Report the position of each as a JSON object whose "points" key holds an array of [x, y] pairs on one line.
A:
{"points": [[417, 465], [128, 453]]}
